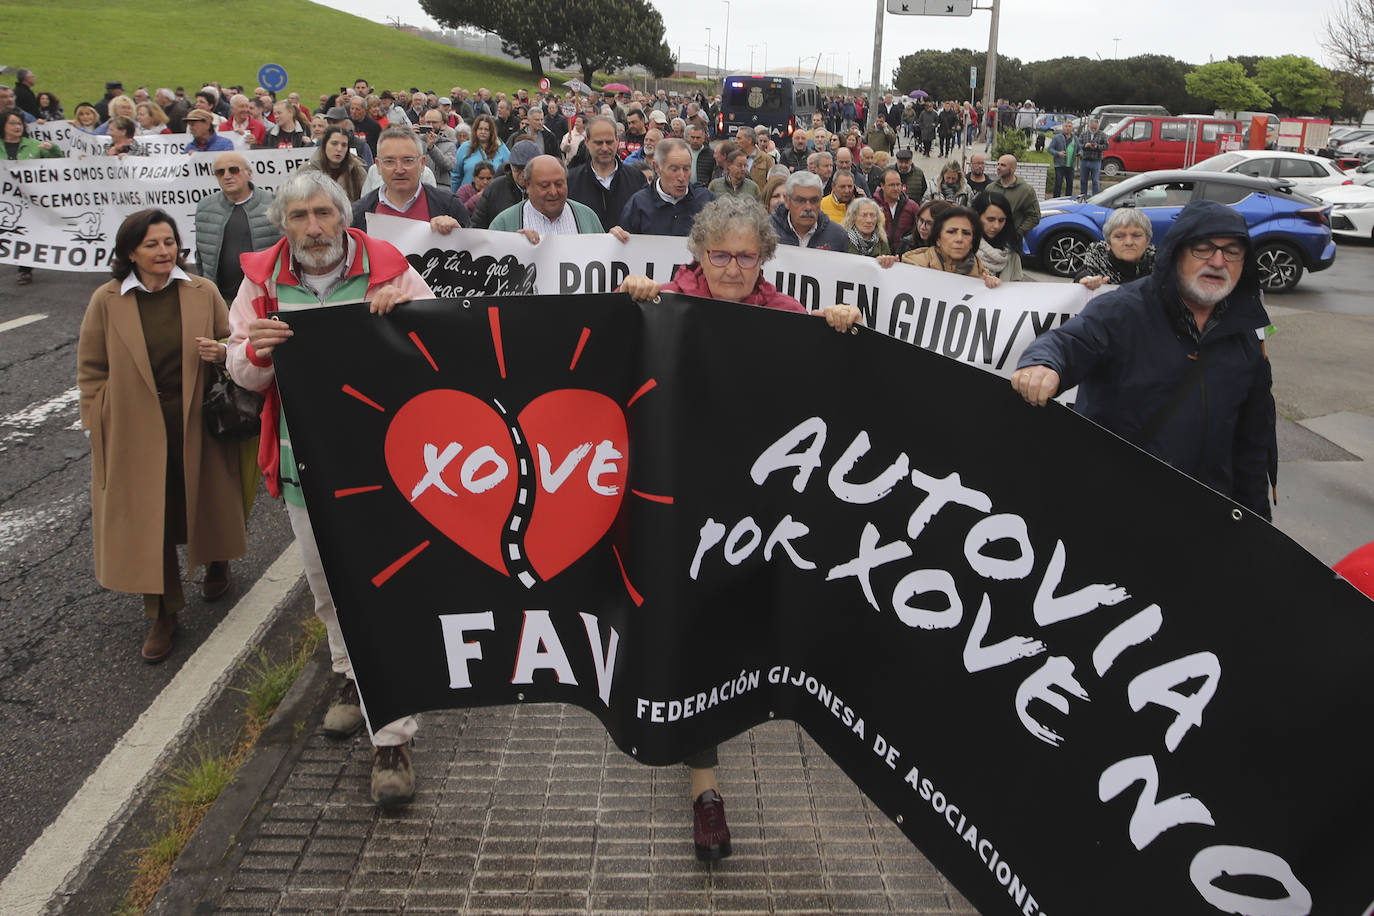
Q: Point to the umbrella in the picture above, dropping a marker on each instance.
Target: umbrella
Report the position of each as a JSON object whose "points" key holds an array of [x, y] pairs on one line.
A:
{"points": [[918, 93], [615, 87], [576, 85]]}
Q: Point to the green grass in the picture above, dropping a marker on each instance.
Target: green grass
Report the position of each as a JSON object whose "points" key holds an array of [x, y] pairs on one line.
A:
{"points": [[191, 787], [74, 46]]}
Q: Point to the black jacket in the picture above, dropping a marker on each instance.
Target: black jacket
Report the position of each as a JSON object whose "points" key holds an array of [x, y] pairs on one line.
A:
{"points": [[606, 203], [500, 193], [439, 201], [1130, 350]]}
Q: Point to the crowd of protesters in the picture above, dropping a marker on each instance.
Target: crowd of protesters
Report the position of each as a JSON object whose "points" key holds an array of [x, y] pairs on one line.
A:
{"points": [[534, 163]]}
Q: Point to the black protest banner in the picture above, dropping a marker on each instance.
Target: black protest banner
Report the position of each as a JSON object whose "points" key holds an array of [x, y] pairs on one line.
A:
{"points": [[1079, 681]]}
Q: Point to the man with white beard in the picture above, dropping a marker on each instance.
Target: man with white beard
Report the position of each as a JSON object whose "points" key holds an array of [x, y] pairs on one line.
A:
{"points": [[320, 261], [1172, 363]]}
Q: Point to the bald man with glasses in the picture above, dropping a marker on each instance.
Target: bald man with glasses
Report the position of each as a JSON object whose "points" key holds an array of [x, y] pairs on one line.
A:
{"points": [[232, 222]]}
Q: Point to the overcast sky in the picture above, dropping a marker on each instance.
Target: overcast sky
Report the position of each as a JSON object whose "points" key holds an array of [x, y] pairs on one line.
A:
{"points": [[843, 33]]}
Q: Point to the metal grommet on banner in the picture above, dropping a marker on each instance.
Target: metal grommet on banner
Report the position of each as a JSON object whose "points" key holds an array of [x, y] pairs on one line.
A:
{"points": [[634, 752], [854, 330], [657, 300], [520, 697], [300, 466], [1237, 515], [899, 818], [770, 713], [467, 303]]}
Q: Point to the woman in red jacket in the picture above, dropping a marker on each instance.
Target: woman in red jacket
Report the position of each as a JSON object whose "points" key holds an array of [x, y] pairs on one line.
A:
{"points": [[731, 240]]}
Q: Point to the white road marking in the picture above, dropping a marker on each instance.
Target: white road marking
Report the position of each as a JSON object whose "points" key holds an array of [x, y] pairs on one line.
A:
{"points": [[24, 423], [17, 525], [19, 322], [89, 822]]}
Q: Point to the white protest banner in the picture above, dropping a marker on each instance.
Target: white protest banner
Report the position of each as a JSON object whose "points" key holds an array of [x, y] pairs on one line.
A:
{"points": [[74, 141], [953, 315], [62, 214]]}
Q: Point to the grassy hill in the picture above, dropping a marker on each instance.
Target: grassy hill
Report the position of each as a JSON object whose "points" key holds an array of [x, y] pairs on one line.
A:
{"points": [[74, 46]]}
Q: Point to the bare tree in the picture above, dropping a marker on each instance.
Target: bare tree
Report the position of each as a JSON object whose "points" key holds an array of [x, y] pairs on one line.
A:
{"points": [[1348, 36]]}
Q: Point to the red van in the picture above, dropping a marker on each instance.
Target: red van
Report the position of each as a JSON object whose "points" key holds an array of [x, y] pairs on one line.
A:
{"points": [[1149, 142]]}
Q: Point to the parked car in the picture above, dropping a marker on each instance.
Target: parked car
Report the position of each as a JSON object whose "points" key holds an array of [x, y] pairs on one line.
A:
{"points": [[1362, 150], [1290, 231], [1052, 122], [1352, 209], [1149, 142], [1336, 145], [1364, 174], [1304, 172]]}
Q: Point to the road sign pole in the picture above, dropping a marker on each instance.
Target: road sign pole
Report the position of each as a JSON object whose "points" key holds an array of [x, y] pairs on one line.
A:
{"points": [[877, 61], [990, 84]]}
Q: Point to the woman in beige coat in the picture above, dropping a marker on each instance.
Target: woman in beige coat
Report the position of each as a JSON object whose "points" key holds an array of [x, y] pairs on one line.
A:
{"points": [[142, 382]]}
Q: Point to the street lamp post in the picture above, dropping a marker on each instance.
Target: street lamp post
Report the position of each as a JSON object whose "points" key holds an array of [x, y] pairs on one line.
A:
{"points": [[708, 52], [725, 57]]}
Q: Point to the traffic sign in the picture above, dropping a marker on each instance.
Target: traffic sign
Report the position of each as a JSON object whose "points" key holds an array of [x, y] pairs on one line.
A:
{"points": [[272, 77], [544, 84], [930, 7], [973, 77]]}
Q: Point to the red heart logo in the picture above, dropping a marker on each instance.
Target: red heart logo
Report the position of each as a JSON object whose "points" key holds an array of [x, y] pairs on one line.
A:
{"points": [[579, 443], [453, 457]]}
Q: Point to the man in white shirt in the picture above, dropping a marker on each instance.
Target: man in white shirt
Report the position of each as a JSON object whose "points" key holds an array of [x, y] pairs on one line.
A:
{"points": [[547, 210]]}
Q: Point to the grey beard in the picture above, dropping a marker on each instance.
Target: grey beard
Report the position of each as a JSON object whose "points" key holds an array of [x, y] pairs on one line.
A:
{"points": [[1194, 293], [321, 256]]}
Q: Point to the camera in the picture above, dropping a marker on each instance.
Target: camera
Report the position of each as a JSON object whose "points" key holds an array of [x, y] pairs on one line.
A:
{"points": [[424, 129]]}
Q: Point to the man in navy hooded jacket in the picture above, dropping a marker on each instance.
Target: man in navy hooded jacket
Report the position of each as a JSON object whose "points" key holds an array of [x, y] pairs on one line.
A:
{"points": [[1172, 361]]}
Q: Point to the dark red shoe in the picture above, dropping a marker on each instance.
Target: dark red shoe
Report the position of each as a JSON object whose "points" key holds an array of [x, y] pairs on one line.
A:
{"points": [[709, 831]]}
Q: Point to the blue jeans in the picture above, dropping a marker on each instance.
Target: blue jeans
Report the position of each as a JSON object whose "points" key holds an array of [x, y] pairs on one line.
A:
{"points": [[1089, 170]]}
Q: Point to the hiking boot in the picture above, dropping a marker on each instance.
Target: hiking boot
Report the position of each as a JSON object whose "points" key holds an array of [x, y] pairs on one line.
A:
{"points": [[710, 833], [216, 581], [158, 645], [345, 716], [393, 779]]}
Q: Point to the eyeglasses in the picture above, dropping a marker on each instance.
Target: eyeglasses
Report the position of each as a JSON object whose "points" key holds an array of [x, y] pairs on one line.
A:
{"points": [[1203, 251], [925, 222], [747, 260], [391, 161], [230, 169]]}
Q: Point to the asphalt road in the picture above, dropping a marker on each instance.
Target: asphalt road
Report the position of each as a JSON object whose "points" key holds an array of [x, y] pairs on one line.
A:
{"points": [[71, 681]]}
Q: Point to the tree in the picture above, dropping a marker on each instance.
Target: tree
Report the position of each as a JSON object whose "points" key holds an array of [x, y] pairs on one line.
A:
{"points": [[944, 74], [1225, 85], [529, 28], [609, 34], [1299, 84], [1349, 39]]}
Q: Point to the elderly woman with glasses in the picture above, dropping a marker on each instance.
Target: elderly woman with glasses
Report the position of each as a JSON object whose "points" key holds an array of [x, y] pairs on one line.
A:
{"points": [[731, 240], [1125, 254]]}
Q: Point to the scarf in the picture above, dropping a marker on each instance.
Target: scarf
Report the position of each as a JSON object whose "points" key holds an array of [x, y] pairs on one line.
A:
{"points": [[866, 247], [994, 258]]}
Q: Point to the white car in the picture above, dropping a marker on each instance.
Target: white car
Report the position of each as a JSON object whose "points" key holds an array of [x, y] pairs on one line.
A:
{"points": [[1305, 173], [1352, 210]]}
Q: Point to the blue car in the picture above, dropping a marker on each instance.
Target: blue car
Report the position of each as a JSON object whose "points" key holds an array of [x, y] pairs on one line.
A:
{"points": [[1050, 122], [1290, 231]]}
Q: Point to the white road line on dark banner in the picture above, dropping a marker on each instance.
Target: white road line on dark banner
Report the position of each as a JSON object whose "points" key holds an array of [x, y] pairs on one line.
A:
{"points": [[90, 820], [19, 322], [23, 423]]}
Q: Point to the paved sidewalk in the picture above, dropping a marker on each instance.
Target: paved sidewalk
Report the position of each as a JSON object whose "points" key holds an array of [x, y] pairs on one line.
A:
{"points": [[533, 810]]}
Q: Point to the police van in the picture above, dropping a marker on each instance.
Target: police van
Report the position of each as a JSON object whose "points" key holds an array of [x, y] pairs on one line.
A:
{"points": [[783, 104]]}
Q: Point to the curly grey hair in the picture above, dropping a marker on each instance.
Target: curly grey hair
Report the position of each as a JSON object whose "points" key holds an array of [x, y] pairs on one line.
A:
{"points": [[732, 214], [303, 185], [857, 206], [1127, 216]]}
